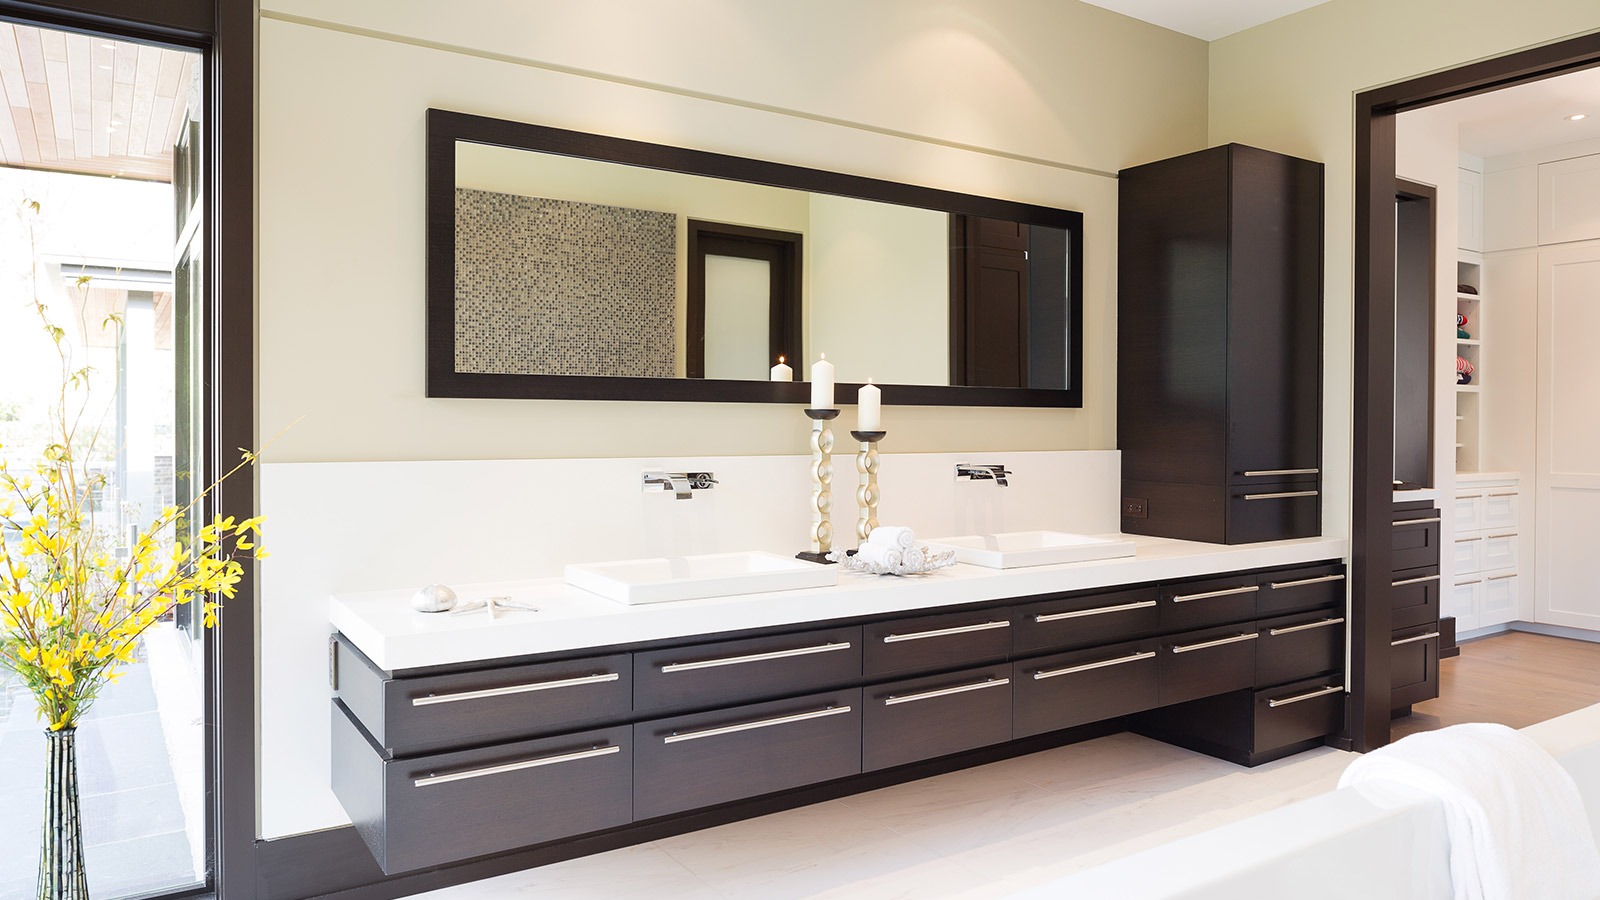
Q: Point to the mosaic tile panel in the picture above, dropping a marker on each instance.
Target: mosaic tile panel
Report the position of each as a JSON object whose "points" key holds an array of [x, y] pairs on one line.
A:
{"points": [[552, 287]]}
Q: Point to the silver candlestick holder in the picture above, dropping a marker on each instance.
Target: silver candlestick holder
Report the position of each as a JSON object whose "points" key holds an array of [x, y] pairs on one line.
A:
{"points": [[867, 488], [821, 486]]}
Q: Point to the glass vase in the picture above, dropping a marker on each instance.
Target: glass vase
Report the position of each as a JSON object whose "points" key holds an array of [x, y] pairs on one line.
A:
{"points": [[62, 874]]}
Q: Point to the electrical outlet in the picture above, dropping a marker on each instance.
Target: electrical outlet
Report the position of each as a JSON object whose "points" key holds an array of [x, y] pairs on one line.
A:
{"points": [[1135, 508]]}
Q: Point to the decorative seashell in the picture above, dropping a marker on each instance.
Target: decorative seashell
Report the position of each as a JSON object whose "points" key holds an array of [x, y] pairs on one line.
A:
{"points": [[434, 598]]}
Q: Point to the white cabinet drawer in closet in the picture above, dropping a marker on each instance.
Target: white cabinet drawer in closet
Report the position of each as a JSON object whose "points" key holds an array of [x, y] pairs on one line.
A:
{"points": [[1469, 512], [1497, 601], [1500, 509], [1465, 600], [1468, 555], [1499, 551]]}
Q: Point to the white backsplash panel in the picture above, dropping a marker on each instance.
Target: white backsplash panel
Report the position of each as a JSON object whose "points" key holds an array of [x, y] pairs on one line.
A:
{"points": [[342, 527]]}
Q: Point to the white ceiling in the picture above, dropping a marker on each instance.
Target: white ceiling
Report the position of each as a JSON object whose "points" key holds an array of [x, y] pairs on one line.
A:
{"points": [[1530, 116], [1206, 19]]}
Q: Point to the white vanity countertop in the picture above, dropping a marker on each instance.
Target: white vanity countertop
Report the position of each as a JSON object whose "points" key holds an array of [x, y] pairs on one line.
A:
{"points": [[383, 625]]}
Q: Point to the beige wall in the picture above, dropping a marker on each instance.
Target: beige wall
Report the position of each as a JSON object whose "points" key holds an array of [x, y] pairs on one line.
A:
{"points": [[1290, 85], [1033, 100]]}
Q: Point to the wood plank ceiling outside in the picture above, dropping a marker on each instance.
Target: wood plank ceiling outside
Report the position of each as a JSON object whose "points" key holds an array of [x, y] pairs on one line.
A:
{"points": [[93, 105]]}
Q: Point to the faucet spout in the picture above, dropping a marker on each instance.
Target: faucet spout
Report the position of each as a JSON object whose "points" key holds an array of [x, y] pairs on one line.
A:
{"points": [[680, 484], [984, 472]]}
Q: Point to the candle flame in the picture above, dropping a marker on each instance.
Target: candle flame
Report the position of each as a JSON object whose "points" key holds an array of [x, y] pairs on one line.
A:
{"points": [[780, 359], [823, 355]]}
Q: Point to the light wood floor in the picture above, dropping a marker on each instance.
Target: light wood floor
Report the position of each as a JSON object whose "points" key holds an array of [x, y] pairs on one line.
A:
{"points": [[1514, 679]]}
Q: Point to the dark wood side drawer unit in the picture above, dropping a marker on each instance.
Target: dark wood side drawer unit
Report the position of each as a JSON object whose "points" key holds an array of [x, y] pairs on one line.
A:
{"points": [[945, 641], [1197, 604], [1304, 645], [1293, 590], [1086, 620], [703, 675], [1413, 668], [435, 712], [1414, 601], [1067, 689], [1415, 539], [1252, 727], [1273, 512], [921, 718], [430, 810], [1202, 663], [1293, 713], [688, 762]]}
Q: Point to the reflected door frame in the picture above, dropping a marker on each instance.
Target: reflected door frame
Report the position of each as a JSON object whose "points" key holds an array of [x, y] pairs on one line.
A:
{"points": [[781, 250]]}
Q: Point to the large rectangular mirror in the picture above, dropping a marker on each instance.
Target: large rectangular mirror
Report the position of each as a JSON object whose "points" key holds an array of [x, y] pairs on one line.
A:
{"points": [[577, 266]]}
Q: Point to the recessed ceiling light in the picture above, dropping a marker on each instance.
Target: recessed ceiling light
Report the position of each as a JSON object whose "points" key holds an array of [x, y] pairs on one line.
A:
{"points": [[1577, 117]]}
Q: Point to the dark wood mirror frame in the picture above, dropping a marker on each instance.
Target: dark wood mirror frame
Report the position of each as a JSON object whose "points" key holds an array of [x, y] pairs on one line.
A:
{"points": [[446, 128]]}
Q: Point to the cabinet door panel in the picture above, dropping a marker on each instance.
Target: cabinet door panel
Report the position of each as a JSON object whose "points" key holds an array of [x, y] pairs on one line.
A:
{"points": [[701, 675], [1067, 689], [1274, 512], [1499, 603], [1469, 555], [944, 641], [1315, 587], [1298, 712], [1414, 668], [1468, 511], [1500, 509], [1414, 601], [1202, 663], [922, 718], [1500, 551], [1086, 620], [1299, 646], [1196, 604], [1415, 540]]}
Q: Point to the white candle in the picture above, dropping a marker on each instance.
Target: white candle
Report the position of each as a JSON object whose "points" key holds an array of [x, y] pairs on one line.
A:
{"points": [[869, 408], [822, 383], [781, 372]]}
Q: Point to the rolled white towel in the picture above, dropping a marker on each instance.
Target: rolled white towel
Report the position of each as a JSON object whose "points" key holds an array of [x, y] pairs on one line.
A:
{"points": [[915, 558], [898, 536], [879, 555]]}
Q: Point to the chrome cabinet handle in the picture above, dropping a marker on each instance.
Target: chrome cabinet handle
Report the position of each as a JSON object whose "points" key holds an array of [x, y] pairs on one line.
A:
{"points": [[1502, 577], [1502, 536], [1277, 585], [1097, 611], [1247, 589], [1259, 472], [945, 692], [1274, 632], [1477, 496], [754, 657], [1505, 494], [1401, 523], [1412, 640], [1332, 688], [942, 632], [1469, 581], [1280, 495], [1185, 648], [1134, 657], [1414, 580], [675, 737], [514, 689], [515, 766]]}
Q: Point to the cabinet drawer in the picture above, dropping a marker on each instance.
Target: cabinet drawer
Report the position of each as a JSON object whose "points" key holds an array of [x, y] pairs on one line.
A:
{"points": [[922, 718], [1415, 540], [1301, 646], [1468, 512], [1413, 668], [943, 641], [1303, 711], [1500, 509], [1499, 551], [1499, 599], [1068, 622], [1300, 589], [1466, 598], [1196, 604], [1069, 689], [1202, 663], [687, 762], [1274, 512], [414, 715], [702, 675], [1468, 555], [432, 810], [1414, 601]]}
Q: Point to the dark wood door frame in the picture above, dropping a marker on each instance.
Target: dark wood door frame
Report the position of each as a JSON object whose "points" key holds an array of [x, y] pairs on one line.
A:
{"points": [[781, 249], [1373, 383], [1418, 193]]}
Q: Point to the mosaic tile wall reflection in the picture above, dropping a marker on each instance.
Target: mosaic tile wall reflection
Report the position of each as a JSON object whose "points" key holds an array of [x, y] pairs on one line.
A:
{"points": [[551, 287]]}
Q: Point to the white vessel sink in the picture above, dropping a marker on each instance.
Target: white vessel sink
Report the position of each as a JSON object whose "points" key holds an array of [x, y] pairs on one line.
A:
{"points": [[1031, 548], [636, 581]]}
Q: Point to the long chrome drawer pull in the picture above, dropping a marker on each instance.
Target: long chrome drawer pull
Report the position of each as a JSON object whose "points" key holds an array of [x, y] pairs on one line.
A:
{"points": [[513, 767], [1505, 494], [1097, 611], [1247, 589], [759, 723], [945, 692], [754, 657], [1330, 689], [1502, 577], [1469, 581], [1401, 523], [1277, 585], [1412, 640], [1259, 472], [1414, 580], [1280, 495], [1051, 673], [1274, 632], [514, 689], [1185, 648], [941, 632], [1478, 496], [1500, 536]]}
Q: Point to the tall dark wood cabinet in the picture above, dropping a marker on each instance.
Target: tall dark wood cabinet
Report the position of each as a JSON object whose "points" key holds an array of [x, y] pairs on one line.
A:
{"points": [[1219, 346]]}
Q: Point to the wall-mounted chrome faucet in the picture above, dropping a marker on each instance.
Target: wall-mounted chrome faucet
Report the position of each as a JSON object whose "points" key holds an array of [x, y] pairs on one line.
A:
{"points": [[973, 472], [679, 484]]}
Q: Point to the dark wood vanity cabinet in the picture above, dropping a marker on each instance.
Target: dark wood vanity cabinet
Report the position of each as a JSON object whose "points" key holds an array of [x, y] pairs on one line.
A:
{"points": [[1219, 346], [438, 766], [1414, 595]]}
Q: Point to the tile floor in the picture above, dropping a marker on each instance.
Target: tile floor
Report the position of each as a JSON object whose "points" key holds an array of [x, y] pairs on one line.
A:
{"points": [[977, 833]]}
